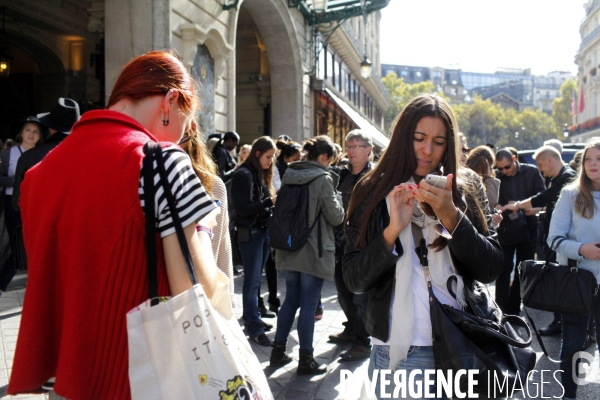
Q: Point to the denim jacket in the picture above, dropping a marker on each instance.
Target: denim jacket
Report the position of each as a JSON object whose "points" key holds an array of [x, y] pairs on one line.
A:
{"points": [[568, 224]]}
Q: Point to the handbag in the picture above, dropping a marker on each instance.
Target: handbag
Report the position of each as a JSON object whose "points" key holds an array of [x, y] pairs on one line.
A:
{"points": [[465, 341], [557, 288], [187, 346], [513, 228]]}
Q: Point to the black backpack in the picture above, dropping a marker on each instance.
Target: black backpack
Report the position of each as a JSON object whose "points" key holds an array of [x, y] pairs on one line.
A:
{"points": [[288, 227]]}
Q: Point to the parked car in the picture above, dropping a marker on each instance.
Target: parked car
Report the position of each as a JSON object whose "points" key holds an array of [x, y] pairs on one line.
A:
{"points": [[569, 150]]}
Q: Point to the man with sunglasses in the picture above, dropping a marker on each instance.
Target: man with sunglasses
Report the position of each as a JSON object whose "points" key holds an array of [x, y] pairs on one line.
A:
{"points": [[550, 164], [518, 230]]}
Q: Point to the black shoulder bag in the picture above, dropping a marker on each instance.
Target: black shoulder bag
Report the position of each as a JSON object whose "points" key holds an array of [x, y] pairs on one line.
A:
{"points": [[557, 288], [563, 289], [465, 341]]}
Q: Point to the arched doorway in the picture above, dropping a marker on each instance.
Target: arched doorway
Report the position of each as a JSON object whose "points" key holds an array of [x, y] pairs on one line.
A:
{"points": [[270, 98], [36, 80]]}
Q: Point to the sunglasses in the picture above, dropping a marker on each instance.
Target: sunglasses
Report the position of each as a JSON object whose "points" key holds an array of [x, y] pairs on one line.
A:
{"points": [[438, 227], [506, 168], [466, 150]]}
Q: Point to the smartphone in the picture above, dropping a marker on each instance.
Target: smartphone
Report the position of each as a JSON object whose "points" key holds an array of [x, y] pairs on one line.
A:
{"points": [[438, 181], [218, 203]]}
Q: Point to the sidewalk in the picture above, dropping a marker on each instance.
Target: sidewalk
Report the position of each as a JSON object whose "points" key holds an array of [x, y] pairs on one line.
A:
{"points": [[11, 304], [284, 382]]}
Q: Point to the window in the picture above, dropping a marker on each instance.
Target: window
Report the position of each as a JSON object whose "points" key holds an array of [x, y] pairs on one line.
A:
{"points": [[329, 66], [404, 73], [321, 69], [338, 75]]}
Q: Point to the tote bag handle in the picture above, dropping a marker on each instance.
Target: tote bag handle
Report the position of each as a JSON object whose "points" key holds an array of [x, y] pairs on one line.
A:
{"points": [[153, 151]]}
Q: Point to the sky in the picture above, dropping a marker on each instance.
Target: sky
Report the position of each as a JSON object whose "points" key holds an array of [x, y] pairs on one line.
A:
{"points": [[483, 35]]}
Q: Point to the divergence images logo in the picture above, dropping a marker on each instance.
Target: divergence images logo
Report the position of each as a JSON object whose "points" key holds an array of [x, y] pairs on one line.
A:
{"points": [[586, 362]]}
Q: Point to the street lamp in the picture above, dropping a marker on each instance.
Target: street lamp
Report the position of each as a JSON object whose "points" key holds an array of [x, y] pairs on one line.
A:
{"points": [[5, 58], [566, 131], [365, 68], [319, 6]]}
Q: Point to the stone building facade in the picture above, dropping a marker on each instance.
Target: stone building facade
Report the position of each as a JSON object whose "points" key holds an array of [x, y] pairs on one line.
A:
{"points": [[587, 124], [254, 59]]}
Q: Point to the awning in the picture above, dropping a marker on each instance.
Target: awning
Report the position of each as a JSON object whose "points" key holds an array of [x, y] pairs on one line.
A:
{"points": [[379, 138]]}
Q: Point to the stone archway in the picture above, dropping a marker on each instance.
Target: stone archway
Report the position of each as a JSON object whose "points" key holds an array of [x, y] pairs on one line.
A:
{"points": [[277, 29], [37, 79]]}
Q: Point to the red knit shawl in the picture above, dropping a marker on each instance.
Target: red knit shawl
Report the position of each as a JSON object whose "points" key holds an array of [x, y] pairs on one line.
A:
{"points": [[84, 233]]}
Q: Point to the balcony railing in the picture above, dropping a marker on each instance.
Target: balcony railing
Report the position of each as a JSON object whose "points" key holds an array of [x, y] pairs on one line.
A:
{"points": [[588, 39]]}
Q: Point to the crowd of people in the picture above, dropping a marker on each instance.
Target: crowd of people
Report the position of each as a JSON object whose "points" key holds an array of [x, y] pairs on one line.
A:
{"points": [[74, 185]]}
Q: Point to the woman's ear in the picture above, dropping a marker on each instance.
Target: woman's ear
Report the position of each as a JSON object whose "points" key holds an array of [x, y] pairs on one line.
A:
{"points": [[169, 100]]}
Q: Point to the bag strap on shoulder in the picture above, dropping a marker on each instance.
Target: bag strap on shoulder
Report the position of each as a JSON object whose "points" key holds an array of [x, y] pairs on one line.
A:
{"points": [[153, 151], [150, 214]]}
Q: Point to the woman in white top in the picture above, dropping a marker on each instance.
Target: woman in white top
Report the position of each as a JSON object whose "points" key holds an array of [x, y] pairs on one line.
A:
{"points": [[575, 234], [29, 136], [380, 253]]}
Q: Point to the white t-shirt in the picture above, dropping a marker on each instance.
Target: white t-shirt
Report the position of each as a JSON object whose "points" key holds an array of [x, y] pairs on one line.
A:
{"points": [[422, 326]]}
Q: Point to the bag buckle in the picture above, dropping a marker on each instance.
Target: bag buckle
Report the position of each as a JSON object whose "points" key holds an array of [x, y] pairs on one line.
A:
{"points": [[574, 270]]}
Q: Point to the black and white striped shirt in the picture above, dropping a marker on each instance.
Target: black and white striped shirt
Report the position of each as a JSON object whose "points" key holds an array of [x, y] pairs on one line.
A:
{"points": [[192, 201]]}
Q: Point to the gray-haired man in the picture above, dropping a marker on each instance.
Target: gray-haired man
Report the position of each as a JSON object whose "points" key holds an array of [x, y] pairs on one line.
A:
{"points": [[359, 147]]}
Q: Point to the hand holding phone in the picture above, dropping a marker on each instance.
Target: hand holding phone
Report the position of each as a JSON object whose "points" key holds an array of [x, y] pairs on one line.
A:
{"points": [[438, 181]]}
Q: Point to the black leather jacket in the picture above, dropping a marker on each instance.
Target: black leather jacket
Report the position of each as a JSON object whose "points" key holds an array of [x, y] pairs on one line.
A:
{"points": [[373, 268]]}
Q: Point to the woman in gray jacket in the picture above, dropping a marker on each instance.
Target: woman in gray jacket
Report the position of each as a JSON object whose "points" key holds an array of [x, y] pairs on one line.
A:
{"points": [[306, 269]]}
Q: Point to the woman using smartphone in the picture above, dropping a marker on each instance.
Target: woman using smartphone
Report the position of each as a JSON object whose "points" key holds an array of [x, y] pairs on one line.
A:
{"points": [[253, 198], [380, 251]]}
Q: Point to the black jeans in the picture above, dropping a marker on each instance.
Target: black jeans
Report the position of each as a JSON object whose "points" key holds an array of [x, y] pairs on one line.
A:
{"points": [[509, 297], [12, 219], [271, 273], [354, 307], [574, 332]]}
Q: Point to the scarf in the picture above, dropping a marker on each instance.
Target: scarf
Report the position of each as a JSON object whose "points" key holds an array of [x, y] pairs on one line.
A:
{"points": [[441, 268]]}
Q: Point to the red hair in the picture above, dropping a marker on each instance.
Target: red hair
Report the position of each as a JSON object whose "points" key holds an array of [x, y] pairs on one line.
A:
{"points": [[154, 74]]}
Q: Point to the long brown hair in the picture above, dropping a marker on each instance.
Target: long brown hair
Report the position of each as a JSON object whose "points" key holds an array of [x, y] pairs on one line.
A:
{"points": [[202, 161], [262, 145], [584, 201], [480, 160], [399, 162]]}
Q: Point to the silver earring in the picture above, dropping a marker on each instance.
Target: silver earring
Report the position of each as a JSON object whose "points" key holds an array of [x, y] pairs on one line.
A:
{"points": [[165, 120]]}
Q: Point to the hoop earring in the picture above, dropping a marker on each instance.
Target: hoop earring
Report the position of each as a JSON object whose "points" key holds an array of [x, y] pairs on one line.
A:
{"points": [[165, 120]]}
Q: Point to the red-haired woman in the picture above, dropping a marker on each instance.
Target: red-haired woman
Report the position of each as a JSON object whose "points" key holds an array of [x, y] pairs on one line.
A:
{"points": [[86, 240]]}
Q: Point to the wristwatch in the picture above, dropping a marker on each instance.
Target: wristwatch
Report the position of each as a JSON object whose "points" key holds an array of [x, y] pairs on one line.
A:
{"points": [[201, 228], [518, 205]]}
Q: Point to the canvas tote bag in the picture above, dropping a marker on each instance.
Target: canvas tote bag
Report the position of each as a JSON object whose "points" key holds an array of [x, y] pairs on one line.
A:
{"points": [[187, 347]]}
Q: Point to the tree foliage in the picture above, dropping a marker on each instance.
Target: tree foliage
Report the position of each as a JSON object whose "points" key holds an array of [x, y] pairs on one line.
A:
{"points": [[486, 122], [401, 93], [483, 121], [561, 106]]}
